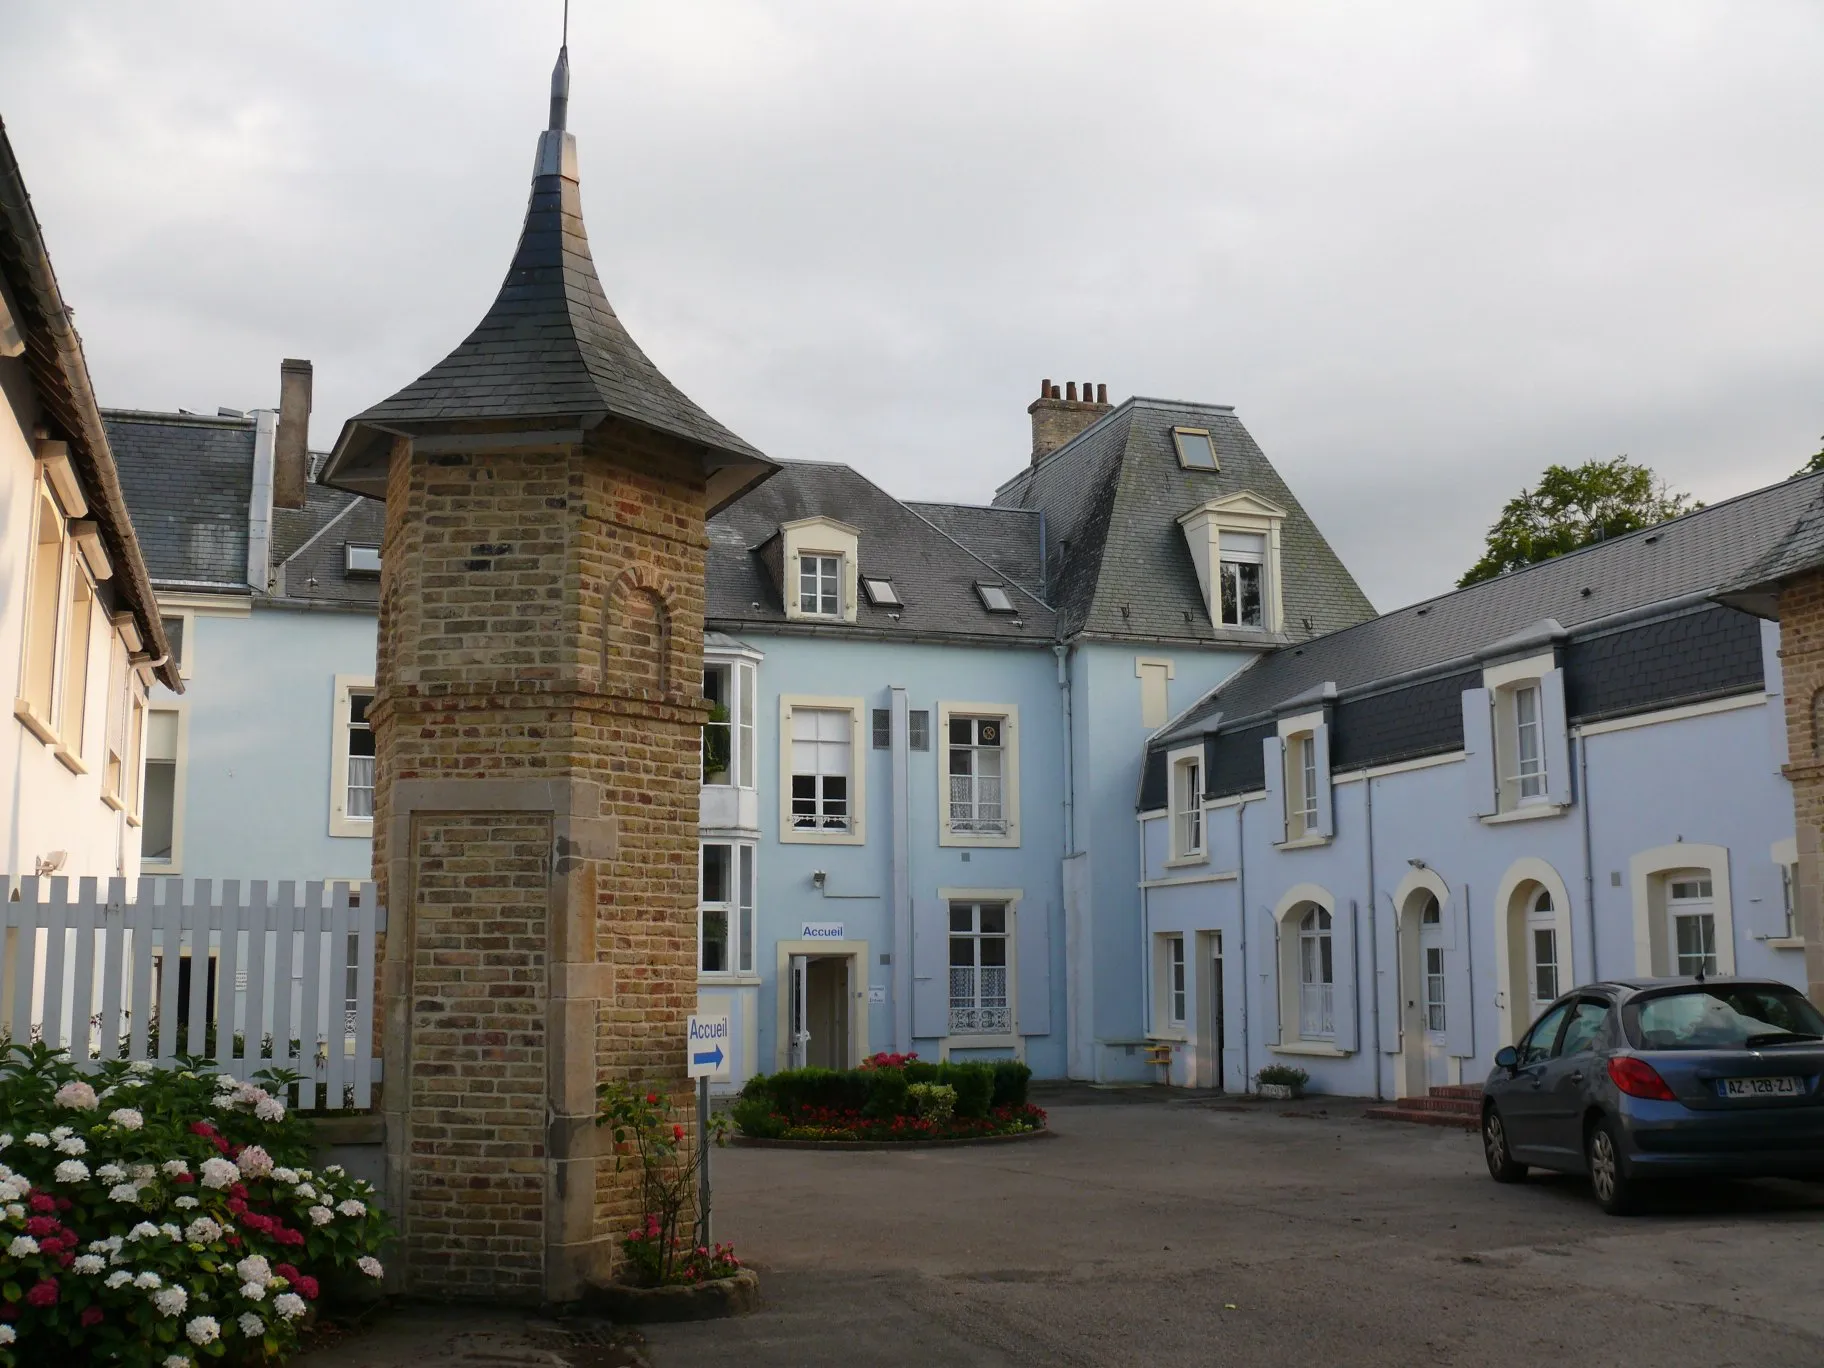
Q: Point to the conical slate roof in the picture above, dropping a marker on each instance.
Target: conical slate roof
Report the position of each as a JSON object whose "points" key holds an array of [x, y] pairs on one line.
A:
{"points": [[549, 354]]}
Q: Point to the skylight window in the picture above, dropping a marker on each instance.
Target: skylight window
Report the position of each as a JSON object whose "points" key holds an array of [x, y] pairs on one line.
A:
{"points": [[361, 560], [1195, 450], [994, 598], [881, 592]]}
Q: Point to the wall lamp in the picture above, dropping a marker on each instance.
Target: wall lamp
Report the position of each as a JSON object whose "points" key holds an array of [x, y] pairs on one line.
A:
{"points": [[819, 878], [1416, 864]]}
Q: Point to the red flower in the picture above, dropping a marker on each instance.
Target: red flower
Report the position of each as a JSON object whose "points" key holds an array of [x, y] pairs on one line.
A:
{"points": [[42, 1201], [201, 1128], [238, 1190], [306, 1285], [652, 1099], [286, 1271], [92, 1316], [42, 1225], [184, 1178], [9, 1311], [64, 1204], [677, 1132], [44, 1294]]}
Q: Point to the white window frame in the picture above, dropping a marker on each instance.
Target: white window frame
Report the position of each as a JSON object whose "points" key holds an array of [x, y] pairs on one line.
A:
{"points": [[39, 714], [115, 723], [340, 822], [180, 787], [1316, 1008], [1529, 767], [186, 651], [1009, 898], [75, 677], [1651, 874], [1176, 995], [133, 771], [820, 536], [1008, 715], [1184, 799], [1690, 897], [1542, 914], [1298, 778], [1248, 514], [1522, 783], [738, 909], [1785, 856], [824, 570], [858, 770]]}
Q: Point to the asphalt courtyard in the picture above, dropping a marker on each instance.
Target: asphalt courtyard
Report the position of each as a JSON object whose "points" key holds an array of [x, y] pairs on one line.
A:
{"points": [[1204, 1231]]}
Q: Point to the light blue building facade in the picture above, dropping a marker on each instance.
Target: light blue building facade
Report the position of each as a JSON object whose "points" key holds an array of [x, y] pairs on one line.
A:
{"points": [[1380, 857]]}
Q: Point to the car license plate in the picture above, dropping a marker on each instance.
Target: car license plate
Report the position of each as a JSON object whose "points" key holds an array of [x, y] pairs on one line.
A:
{"points": [[1760, 1087]]}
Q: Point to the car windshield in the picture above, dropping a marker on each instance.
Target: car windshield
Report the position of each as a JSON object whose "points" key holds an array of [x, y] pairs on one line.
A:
{"points": [[1722, 1017]]}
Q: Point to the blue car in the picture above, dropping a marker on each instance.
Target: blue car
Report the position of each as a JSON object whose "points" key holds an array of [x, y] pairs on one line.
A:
{"points": [[1646, 1079]]}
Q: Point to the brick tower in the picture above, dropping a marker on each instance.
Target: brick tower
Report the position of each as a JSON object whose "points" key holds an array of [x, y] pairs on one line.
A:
{"points": [[537, 718]]}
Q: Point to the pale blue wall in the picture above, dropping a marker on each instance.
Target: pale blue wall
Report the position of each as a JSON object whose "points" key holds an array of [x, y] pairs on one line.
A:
{"points": [[261, 700], [1710, 779], [862, 875]]}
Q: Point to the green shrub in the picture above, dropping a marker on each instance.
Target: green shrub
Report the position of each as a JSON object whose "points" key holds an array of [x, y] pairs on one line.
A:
{"points": [[923, 1071], [886, 1092], [1010, 1079], [933, 1101], [974, 1084], [798, 1090], [754, 1115], [1290, 1075]]}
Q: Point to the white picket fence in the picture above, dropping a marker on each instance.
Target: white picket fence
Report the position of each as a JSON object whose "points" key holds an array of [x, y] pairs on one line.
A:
{"points": [[288, 980]]}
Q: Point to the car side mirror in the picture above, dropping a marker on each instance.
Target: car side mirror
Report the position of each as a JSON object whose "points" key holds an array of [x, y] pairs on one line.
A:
{"points": [[1507, 1057]]}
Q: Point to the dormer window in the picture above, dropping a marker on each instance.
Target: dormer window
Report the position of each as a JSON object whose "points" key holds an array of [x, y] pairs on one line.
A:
{"points": [[1244, 564], [819, 585], [881, 593], [1195, 450], [994, 598], [1516, 739]]}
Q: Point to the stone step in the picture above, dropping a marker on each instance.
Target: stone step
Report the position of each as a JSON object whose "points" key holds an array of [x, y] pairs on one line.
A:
{"points": [[1454, 1120], [1469, 1090], [1456, 1106]]}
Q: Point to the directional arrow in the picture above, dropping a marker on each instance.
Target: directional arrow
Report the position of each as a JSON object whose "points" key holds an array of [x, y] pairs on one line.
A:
{"points": [[713, 1058]]}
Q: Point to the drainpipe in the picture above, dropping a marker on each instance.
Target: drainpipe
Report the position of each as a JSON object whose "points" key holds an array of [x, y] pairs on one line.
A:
{"points": [[1146, 942], [1062, 652], [1374, 935], [1241, 894], [1589, 868], [259, 503], [902, 873]]}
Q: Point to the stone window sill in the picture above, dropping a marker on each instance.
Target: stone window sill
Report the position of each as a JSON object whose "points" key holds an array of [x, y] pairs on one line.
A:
{"points": [[70, 761], [1305, 842], [1320, 1049], [1532, 812], [712, 979], [1186, 861], [1785, 943], [37, 726]]}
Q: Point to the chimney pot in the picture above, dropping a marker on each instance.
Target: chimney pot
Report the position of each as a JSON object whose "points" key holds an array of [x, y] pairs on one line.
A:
{"points": [[1045, 389], [1101, 394], [291, 454], [1070, 391]]}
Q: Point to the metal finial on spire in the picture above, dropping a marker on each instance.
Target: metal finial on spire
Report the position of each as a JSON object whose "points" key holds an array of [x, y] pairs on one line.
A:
{"points": [[560, 88]]}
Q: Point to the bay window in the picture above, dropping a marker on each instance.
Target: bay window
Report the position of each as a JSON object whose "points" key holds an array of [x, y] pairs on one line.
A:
{"points": [[725, 908]]}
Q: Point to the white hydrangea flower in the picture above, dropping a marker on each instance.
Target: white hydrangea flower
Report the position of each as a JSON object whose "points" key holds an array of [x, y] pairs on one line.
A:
{"points": [[254, 1162], [7, 1333], [251, 1325], [124, 1192], [171, 1301], [186, 1203], [350, 1207], [38, 1140], [21, 1246], [335, 1170], [219, 1173], [140, 1066], [15, 1211], [227, 1081], [127, 1118], [111, 1245], [269, 1109], [143, 1173], [203, 1330], [110, 1173], [10, 1191], [120, 1277], [255, 1268], [289, 1305], [72, 1144], [89, 1264], [202, 1231], [71, 1171], [6, 1140], [178, 1361], [321, 1215], [78, 1096], [148, 1281], [369, 1265], [61, 1133], [285, 1175], [144, 1230], [253, 1291], [173, 1167], [170, 1231], [306, 1191]]}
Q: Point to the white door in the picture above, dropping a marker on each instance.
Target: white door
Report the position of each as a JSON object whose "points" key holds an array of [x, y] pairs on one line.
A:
{"points": [[1434, 1008], [797, 1017]]}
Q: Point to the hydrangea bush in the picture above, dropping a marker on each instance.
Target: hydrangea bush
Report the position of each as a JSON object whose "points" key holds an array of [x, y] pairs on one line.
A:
{"points": [[164, 1217]]}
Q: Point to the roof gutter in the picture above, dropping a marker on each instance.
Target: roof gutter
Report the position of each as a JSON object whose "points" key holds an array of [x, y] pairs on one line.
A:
{"points": [[52, 345]]}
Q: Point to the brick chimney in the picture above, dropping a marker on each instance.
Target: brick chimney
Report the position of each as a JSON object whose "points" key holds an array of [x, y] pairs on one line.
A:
{"points": [[1057, 417], [291, 460]]}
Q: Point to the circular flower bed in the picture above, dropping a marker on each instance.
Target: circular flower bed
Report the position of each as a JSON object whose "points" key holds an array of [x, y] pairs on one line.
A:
{"points": [[890, 1098], [163, 1217]]}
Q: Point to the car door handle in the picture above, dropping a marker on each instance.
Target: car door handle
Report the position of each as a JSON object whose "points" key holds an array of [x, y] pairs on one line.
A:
{"points": [[1577, 1075]]}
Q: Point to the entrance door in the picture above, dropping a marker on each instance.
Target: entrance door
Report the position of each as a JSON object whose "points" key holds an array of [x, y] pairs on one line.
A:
{"points": [[826, 999], [797, 1017], [1431, 961], [1213, 1032]]}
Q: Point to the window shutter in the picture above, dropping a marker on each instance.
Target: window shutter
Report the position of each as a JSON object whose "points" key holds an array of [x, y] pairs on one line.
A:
{"points": [[930, 967], [1387, 975], [1032, 943], [1459, 986], [1269, 970], [1343, 977], [1479, 751], [1555, 737], [1775, 677], [1273, 763], [1326, 810]]}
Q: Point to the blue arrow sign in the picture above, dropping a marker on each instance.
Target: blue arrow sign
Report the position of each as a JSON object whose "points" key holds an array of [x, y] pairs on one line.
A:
{"points": [[713, 1058], [707, 1043]]}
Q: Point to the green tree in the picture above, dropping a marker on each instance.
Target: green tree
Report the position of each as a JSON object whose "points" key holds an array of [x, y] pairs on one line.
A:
{"points": [[1573, 506], [1813, 466]]}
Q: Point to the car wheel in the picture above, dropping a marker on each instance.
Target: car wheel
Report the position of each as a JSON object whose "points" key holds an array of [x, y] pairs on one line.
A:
{"points": [[1502, 1166], [1616, 1193]]}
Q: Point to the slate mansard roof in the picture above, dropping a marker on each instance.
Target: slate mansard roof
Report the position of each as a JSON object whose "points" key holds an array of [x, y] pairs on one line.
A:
{"points": [[934, 573], [1119, 565], [189, 480], [1640, 630]]}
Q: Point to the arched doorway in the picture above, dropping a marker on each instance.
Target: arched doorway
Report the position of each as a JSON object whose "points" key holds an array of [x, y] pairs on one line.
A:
{"points": [[1533, 951], [1423, 937]]}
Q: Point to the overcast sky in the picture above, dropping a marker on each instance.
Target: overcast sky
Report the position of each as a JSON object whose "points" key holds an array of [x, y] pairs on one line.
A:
{"points": [[1424, 249]]}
